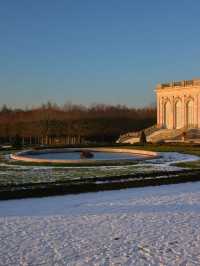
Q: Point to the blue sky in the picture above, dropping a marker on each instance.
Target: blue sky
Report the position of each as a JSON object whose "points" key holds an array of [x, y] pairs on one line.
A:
{"points": [[88, 51]]}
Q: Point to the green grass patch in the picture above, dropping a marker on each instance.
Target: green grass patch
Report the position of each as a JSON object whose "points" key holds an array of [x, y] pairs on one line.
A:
{"points": [[91, 163], [191, 165], [193, 149]]}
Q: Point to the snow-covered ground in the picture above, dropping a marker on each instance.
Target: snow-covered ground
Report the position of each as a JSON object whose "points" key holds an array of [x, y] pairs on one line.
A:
{"points": [[20, 175], [141, 226]]}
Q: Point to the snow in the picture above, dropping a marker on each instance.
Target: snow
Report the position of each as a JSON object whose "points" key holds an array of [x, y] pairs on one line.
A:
{"points": [[140, 226], [174, 157], [21, 175], [167, 159]]}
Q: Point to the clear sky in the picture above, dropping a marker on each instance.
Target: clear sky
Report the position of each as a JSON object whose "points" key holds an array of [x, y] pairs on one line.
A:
{"points": [[86, 51]]}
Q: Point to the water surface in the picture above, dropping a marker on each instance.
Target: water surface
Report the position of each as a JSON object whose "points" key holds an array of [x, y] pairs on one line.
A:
{"points": [[75, 155]]}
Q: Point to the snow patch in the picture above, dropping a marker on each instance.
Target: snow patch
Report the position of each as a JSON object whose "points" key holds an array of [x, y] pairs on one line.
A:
{"points": [[144, 226]]}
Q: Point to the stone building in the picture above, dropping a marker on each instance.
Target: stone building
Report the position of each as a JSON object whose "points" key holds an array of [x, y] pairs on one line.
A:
{"points": [[178, 104], [178, 114]]}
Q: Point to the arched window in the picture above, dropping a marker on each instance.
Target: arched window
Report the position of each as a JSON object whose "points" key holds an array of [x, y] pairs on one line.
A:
{"points": [[190, 113], [167, 114], [178, 115]]}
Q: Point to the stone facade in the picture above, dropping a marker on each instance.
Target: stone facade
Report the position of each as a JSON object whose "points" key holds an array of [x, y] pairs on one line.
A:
{"points": [[178, 104]]}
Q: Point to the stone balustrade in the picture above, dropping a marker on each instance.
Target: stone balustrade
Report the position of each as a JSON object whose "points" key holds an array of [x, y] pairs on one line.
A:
{"points": [[183, 83]]}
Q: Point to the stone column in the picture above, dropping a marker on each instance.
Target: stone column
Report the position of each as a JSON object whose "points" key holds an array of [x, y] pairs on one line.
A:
{"points": [[196, 111], [184, 108], [162, 112], [158, 111], [172, 112], [182, 111]]}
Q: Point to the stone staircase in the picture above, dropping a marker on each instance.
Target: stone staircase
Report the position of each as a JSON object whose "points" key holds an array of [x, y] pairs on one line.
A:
{"points": [[166, 134], [183, 134], [134, 137], [192, 134], [155, 135], [130, 137]]}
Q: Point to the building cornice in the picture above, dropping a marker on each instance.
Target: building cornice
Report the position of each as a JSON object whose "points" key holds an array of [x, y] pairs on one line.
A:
{"points": [[177, 85]]}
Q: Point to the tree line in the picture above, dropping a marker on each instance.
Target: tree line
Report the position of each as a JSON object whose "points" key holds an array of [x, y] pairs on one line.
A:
{"points": [[71, 123]]}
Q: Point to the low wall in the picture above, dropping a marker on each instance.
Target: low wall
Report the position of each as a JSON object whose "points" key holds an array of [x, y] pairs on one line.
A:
{"points": [[21, 156]]}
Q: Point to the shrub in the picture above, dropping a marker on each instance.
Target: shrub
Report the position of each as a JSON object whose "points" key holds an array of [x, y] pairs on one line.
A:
{"points": [[143, 139]]}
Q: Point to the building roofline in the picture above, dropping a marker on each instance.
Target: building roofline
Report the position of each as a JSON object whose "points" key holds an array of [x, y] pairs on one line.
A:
{"points": [[183, 83]]}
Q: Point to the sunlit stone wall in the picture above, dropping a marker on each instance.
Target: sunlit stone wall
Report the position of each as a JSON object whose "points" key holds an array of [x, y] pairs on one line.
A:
{"points": [[178, 104]]}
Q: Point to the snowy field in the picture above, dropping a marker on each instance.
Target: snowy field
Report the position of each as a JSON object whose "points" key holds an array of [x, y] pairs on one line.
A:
{"points": [[141, 226]]}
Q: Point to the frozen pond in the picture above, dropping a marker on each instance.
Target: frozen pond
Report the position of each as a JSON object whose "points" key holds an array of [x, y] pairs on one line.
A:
{"points": [[144, 226], [75, 155]]}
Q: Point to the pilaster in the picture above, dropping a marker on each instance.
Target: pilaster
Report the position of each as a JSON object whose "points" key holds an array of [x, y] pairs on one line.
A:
{"points": [[195, 110]]}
